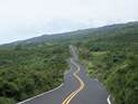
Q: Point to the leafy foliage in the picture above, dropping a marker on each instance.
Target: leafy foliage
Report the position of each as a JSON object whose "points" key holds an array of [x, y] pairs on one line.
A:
{"points": [[113, 60], [33, 66], [25, 72]]}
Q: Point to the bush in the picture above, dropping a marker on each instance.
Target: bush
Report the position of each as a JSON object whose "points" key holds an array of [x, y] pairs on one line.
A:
{"points": [[4, 100]]}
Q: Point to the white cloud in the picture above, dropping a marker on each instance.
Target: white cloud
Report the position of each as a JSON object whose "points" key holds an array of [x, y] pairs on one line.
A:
{"points": [[21, 19]]}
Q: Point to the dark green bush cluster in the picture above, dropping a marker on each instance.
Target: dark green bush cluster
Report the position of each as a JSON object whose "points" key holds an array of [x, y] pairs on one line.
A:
{"points": [[25, 72]]}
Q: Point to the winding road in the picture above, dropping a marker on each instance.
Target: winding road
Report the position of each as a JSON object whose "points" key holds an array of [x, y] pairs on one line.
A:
{"points": [[77, 88]]}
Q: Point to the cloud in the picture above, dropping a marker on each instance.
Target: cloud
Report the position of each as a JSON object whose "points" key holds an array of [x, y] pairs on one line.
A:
{"points": [[29, 18]]}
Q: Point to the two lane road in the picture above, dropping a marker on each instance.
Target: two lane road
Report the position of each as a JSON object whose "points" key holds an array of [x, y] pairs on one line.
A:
{"points": [[77, 88], [81, 86]]}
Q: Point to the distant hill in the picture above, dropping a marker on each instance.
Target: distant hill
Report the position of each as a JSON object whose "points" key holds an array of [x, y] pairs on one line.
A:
{"points": [[80, 34]]}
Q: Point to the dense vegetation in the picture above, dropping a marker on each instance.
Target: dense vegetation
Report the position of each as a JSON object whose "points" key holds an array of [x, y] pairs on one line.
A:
{"points": [[27, 71], [113, 60], [33, 66]]}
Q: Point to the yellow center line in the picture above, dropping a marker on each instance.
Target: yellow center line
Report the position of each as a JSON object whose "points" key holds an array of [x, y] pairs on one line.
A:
{"points": [[74, 93]]}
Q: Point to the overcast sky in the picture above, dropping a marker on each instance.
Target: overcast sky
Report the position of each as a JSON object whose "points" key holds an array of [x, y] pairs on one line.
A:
{"points": [[22, 19]]}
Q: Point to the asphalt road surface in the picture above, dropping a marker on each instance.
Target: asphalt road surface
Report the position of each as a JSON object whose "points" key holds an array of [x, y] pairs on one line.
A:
{"points": [[77, 88]]}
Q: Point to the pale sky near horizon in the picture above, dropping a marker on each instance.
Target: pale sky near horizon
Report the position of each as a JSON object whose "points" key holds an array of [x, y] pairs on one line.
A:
{"points": [[22, 19]]}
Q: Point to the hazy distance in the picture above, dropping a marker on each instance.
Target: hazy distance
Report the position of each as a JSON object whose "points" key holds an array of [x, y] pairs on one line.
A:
{"points": [[22, 19]]}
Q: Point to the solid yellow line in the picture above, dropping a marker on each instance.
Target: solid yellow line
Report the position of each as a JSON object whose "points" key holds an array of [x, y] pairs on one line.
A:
{"points": [[74, 93]]}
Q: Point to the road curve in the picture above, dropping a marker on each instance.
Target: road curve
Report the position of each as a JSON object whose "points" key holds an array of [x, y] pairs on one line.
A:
{"points": [[72, 95], [77, 88]]}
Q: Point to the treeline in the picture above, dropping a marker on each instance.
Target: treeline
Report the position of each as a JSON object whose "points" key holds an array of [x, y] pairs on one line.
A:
{"points": [[113, 60], [28, 71]]}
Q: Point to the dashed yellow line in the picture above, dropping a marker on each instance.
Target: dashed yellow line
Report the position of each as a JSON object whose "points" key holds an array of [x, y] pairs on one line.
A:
{"points": [[74, 93]]}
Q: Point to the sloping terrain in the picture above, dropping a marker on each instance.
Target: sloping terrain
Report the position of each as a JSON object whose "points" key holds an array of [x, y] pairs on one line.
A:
{"points": [[32, 66], [113, 60], [25, 72]]}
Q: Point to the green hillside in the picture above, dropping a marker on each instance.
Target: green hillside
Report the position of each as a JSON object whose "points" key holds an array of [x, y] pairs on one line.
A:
{"points": [[113, 60], [36, 65], [25, 72]]}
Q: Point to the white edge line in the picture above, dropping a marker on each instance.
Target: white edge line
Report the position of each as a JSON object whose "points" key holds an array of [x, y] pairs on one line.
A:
{"points": [[108, 99], [29, 99]]}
